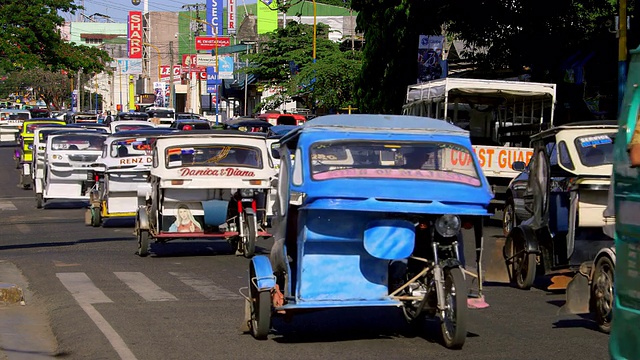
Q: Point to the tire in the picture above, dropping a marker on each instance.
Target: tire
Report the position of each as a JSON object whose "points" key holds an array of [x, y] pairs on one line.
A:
{"points": [[96, 216], [602, 293], [251, 232], [143, 243], [39, 201], [260, 311], [523, 267], [454, 323], [509, 218]]}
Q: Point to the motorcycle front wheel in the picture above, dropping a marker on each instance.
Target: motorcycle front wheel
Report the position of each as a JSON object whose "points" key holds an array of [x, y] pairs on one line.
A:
{"points": [[455, 319]]}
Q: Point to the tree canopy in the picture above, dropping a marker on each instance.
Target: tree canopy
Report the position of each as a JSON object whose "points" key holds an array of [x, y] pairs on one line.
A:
{"points": [[528, 34], [285, 61], [31, 39]]}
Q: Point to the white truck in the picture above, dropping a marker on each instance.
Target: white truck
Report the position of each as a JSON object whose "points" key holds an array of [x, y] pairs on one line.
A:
{"points": [[499, 114]]}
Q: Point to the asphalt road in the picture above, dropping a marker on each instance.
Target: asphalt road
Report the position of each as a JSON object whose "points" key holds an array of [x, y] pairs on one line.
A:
{"points": [[104, 302]]}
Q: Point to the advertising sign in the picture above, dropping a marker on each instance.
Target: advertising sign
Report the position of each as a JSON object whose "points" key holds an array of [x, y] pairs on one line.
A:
{"points": [[190, 63], [212, 80], [209, 43], [225, 65], [431, 66], [267, 16], [134, 35], [130, 66], [231, 17], [214, 17], [161, 94], [165, 74]]}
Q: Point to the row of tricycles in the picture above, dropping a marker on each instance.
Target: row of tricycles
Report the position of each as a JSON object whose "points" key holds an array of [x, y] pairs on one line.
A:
{"points": [[363, 210]]}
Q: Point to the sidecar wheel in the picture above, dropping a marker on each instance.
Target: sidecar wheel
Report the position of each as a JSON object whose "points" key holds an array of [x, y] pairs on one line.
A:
{"points": [[251, 231], [143, 243], [522, 268], [96, 217], [260, 310], [454, 323], [39, 201], [602, 293]]}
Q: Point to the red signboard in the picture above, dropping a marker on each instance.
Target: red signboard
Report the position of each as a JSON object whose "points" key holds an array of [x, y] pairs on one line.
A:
{"points": [[209, 42], [165, 73], [134, 35]]}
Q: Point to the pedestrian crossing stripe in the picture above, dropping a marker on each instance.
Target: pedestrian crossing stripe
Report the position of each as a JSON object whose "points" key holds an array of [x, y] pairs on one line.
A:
{"points": [[7, 205], [85, 291]]}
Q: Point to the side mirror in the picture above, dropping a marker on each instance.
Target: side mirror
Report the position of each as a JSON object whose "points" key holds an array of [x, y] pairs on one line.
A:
{"points": [[518, 166], [275, 150]]}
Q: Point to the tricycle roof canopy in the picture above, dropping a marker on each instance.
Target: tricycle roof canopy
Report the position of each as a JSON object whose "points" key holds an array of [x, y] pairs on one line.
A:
{"points": [[452, 87], [386, 122]]}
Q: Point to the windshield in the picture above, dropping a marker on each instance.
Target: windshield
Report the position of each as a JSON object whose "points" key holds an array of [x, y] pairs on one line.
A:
{"points": [[391, 160], [31, 128], [77, 142], [14, 116], [132, 147], [162, 114], [214, 155], [595, 150], [131, 127], [127, 116]]}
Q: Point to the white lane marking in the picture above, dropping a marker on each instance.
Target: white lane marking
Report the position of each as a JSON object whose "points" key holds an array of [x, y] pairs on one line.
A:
{"points": [[86, 293], [7, 205], [206, 287], [82, 288], [142, 285]]}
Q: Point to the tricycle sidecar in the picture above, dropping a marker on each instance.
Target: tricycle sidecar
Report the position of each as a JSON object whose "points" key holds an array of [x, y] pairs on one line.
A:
{"points": [[68, 160], [121, 174], [566, 195], [370, 213], [24, 154], [207, 185]]}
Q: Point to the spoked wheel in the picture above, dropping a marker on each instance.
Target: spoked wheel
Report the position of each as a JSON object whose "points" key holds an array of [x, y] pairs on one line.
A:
{"points": [[522, 265], [250, 235], [143, 243], [508, 217], [602, 293], [260, 310], [454, 322], [96, 216], [39, 201]]}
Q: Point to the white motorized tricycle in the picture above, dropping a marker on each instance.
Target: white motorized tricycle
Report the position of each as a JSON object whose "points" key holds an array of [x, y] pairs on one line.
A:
{"points": [[121, 175], [207, 184], [68, 160]]}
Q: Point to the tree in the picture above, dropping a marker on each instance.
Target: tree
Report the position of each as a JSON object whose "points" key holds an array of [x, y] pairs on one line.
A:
{"points": [[391, 29], [519, 35], [285, 61], [31, 39], [53, 87]]}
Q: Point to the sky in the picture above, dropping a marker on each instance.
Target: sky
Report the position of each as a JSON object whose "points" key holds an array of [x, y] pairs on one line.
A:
{"points": [[118, 9]]}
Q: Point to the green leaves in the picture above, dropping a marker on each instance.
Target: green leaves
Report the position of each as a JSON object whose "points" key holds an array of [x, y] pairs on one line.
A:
{"points": [[30, 38], [285, 61]]}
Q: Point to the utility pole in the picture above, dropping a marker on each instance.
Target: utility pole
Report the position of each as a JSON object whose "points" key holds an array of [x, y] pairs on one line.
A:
{"points": [[172, 88], [79, 97]]}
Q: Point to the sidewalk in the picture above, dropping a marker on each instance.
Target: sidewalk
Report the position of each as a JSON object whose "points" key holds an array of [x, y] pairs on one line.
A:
{"points": [[24, 327]]}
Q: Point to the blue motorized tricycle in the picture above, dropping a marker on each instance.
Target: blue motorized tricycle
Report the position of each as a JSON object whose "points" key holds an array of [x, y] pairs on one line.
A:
{"points": [[370, 213]]}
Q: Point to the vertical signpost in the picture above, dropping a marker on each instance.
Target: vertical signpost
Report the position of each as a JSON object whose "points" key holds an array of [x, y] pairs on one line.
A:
{"points": [[214, 18]]}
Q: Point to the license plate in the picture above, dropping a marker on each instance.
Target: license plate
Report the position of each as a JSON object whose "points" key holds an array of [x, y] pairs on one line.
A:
{"points": [[247, 200]]}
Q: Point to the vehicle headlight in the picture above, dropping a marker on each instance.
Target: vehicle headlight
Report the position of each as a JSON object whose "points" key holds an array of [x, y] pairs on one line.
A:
{"points": [[448, 225], [246, 192]]}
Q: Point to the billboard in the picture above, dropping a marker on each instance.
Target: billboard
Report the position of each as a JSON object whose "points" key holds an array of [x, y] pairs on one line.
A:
{"points": [[210, 43], [225, 64], [431, 65], [165, 73], [134, 35], [161, 94], [231, 17], [129, 66], [267, 16], [214, 17]]}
